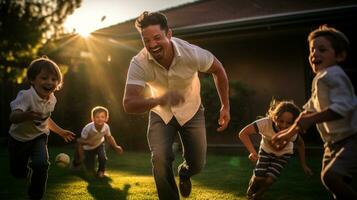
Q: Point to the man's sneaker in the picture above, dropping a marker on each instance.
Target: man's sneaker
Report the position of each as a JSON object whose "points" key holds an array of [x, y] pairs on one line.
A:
{"points": [[185, 186]]}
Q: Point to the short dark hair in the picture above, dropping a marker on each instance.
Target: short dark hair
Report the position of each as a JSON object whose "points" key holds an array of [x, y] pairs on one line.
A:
{"points": [[44, 63], [151, 18], [338, 40], [99, 109]]}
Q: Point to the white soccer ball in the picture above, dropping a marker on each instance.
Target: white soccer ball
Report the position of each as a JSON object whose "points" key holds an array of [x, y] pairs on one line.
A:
{"points": [[62, 160]]}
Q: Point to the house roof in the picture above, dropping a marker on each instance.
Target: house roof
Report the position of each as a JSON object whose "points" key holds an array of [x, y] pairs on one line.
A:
{"points": [[223, 15]]}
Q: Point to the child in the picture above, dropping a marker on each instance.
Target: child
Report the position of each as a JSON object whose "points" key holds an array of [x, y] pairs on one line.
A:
{"points": [[269, 161], [332, 107], [91, 142], [31, 124]]}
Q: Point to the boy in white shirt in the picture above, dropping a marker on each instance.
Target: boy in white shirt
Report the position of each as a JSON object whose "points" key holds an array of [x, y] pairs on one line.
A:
{"points": [[333, 108], [91, 142], [31, 124]]}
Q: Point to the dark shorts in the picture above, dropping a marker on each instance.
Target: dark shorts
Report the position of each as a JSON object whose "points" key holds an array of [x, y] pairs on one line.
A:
{"points": [[341, 157]]}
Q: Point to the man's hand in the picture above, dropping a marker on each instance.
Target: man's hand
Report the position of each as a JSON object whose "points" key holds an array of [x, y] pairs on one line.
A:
{"points": [[171, 98], [67, 135], [224, 118], [118, 150]]}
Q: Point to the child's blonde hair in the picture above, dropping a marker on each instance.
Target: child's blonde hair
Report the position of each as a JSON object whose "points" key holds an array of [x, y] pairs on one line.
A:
{"points": [[99, 109], [277, 108], [338, 40], [44, 63]]}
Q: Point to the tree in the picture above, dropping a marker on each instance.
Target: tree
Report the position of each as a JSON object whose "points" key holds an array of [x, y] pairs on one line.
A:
{"points": [[25, 26]]}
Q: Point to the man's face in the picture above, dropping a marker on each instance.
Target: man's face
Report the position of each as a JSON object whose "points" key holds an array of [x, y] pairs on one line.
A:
{"points": [[156, 41]]}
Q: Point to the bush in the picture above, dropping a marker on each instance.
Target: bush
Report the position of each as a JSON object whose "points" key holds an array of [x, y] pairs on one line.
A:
{"points": [[239, 96]]}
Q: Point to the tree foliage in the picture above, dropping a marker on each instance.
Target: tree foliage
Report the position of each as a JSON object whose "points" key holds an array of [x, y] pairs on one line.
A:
{"points": [[239, 98], [25, 26]]}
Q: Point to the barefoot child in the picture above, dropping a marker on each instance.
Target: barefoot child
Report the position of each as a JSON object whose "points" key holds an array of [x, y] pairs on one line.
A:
{"points": [[91, 142], [31, 124], [269, 162]]}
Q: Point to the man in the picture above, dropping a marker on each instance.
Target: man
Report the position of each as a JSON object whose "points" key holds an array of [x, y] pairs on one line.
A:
{"points": [[170, 66]]}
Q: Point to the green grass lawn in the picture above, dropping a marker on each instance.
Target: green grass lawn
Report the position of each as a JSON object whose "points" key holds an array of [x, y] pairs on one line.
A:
{"points": [[224, 177]]}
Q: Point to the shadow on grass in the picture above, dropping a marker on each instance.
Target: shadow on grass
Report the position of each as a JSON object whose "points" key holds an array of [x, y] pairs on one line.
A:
{"points": [[100, 188]]}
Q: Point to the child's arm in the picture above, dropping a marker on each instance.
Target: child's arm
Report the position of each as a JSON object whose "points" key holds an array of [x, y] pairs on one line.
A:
{"points": [[302, 123], [113, 144], [308, 119], [18, 116], [301, 150], [65, 134], [244, 137]]}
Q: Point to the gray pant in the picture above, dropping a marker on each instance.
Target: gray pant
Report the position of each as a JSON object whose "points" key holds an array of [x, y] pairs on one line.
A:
{"points": [[161, 136]]}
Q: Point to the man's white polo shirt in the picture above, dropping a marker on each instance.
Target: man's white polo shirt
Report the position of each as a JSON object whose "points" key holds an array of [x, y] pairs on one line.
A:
{"points": [[182, 76], [28, 100]]}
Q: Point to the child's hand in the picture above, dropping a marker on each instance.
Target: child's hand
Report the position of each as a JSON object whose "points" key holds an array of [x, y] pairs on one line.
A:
{"points": [[281, 139], [253, 157], [67, 135], [118, 149], [307, 170], [32, 115]]}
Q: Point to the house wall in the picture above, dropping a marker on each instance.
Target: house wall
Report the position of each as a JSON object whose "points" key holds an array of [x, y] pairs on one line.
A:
{"points": [[271, 63]]}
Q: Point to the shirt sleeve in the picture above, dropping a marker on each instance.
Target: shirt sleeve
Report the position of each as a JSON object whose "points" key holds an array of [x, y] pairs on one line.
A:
{"points": [[341, 94], [108, 132], [21, 102], [309, 106], [136, 74], [262, 125], [205, 59], [84, 133]]}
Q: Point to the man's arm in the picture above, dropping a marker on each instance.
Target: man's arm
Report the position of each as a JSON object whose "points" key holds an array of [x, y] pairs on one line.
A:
{"points": [[221, 82], [135, 102]]}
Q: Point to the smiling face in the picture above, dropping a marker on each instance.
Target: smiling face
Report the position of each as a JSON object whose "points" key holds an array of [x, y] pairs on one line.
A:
{"points": [[157, 42], [322, 54], [100, 118], [284, 121], [45, 83]]}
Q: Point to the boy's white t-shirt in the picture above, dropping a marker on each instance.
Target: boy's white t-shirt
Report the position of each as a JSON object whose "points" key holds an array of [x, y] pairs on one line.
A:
{"points": [[93, 136], [332, 89], [265, 128], [28, 100]]}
